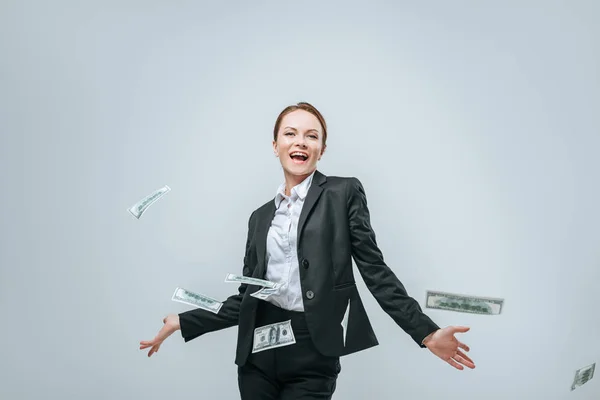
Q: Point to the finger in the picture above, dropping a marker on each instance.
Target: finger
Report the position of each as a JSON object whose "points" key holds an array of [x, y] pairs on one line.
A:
{"points": [[457, 329], [464, 362], [455, 364], [463, 355], [147, 343], [463, 346], [153, 350]]}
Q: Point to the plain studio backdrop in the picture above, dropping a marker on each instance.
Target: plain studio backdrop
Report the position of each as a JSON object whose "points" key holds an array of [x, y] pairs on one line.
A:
{"points": [[473, 125]]}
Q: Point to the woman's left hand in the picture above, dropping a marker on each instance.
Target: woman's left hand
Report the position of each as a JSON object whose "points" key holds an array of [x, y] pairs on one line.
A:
{"points": [[443, 344]]}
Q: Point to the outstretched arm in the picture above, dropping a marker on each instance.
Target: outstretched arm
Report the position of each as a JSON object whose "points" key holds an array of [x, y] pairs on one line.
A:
{"points": [[390, 292], [379, 278], [197, 322]]}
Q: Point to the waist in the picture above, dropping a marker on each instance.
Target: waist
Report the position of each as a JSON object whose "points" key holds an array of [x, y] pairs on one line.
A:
{"points": [[268, 313]]}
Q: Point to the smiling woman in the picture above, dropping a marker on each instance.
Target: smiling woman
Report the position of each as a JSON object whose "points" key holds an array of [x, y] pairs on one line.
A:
{"points": [[299, 140], [304, 240]]}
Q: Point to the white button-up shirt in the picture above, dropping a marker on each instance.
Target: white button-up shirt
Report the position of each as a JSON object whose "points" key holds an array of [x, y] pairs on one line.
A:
{"points": [[282, 250]]}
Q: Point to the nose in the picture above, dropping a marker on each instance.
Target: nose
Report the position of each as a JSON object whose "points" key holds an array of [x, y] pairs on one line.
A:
{"points": [[300, 141]]}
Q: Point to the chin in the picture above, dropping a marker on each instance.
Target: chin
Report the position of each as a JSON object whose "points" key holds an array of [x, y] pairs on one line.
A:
{"points": [[301, 169]]}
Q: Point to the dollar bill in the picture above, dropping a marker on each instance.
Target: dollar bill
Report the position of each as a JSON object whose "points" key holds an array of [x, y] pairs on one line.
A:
{"points": [[463, 303], [274, 335], [250, 281], [265, 293], [198, 300], [583, 375], [141, 206]]}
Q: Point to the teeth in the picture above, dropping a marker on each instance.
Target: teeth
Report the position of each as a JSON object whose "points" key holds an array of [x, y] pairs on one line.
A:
{"points": [[299, 154]]}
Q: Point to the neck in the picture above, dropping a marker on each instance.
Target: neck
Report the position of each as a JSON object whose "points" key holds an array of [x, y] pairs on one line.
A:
{"points": [[294, 180]]}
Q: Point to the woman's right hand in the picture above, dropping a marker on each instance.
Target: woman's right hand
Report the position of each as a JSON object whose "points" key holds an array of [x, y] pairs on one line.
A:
{"points": [[171, 325]]}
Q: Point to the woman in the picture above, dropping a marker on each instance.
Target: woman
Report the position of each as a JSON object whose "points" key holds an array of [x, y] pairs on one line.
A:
{"points": [[305, 240]]}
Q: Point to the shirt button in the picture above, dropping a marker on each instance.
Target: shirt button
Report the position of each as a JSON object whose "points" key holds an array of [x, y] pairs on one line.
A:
{"points": [[310, 294], [305, 263]]}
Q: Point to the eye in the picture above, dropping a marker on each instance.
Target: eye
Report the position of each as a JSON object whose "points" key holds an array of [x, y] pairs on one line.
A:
{"points": [[314, 136], [289, 133]]}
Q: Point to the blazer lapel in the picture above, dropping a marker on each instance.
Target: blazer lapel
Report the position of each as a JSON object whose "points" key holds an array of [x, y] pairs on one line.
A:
{"points": [[262, 230], [265, 219], [314, 192]]}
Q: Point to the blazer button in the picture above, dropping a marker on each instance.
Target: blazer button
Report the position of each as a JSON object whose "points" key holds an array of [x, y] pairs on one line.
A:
{"points": [[305, 263], [310, 294]]}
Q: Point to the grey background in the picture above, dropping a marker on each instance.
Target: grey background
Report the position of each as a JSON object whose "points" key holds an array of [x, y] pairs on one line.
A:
{"points": [[473, 126]]}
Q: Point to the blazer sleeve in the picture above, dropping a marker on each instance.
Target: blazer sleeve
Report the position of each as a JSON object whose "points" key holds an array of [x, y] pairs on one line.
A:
{"points": [[197, 322], [379, 278]]}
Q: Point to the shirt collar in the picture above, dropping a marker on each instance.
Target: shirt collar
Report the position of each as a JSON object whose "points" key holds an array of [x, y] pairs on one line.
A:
{"points": [[300, 190]]}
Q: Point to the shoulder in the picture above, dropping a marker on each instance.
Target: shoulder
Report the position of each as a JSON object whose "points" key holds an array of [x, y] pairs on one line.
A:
{"points": [[346, 188], [349, 184], [269, 205], [334, 180]]}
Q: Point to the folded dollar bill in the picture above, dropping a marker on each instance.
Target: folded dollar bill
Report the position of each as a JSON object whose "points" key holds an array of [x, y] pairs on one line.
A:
{"points": [[198, 300], [274, 335], [463, 303], [250, 281], [141, 206], [265, 293], [583, 375]]}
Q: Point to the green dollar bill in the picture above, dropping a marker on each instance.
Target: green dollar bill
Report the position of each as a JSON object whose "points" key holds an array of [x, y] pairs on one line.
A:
{"points": [[141, 206], [250, 281], [583, 375], [264, 293], [274, 335], [198, 300], [463, 303]]}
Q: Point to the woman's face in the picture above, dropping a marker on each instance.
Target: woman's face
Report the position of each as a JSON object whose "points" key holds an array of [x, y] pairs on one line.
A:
{"points": [[299, 143]]}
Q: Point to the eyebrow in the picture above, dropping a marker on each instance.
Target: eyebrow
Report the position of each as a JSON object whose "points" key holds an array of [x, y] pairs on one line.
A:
{"points": [[313, 130]]}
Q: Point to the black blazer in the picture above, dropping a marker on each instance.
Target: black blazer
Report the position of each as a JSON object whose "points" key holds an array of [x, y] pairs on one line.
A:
{"points": [[334, 226]]}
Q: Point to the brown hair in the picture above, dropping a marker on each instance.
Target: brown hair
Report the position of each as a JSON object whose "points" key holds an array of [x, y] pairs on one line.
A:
{"points": [[306, 107]]}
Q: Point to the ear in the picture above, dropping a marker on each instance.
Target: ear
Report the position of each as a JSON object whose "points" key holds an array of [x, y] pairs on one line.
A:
{"points": [[275, 150], [322, 151]]}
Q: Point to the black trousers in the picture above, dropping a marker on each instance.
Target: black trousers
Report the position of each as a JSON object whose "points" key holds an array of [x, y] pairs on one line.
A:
{"points": [[294, 372]]}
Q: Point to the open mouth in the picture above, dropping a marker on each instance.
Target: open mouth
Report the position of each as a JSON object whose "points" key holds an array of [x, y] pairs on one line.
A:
{"points": [[299, 157]]}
